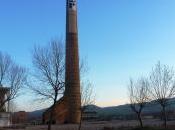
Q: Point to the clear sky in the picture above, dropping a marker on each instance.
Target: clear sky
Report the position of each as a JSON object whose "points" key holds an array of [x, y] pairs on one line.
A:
{"points": [[119, 38]]}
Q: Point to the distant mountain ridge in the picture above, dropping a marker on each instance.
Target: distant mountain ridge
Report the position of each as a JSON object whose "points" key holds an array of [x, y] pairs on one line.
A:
{"points": [[113, 111], [35, 114]]}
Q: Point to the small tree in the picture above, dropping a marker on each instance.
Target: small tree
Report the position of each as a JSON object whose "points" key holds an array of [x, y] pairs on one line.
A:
{"points": [[138, 95], [12, 76], [87, 98], [49, 73], [163, 86]]}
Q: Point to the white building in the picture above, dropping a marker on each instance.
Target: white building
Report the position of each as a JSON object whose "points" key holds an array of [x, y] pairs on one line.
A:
{"points": [[4, 111]]}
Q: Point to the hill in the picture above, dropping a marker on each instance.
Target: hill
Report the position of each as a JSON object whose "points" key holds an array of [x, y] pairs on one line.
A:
{"points": [[115, 111]]}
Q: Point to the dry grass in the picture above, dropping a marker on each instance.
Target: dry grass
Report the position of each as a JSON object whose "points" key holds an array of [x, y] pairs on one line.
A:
{"points": [[105, 125]]}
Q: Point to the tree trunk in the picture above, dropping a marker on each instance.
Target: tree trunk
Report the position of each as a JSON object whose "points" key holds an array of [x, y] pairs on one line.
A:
{"points": [[164, 116], [51, 115], [50, 119], [80, 120], [140, 120]]}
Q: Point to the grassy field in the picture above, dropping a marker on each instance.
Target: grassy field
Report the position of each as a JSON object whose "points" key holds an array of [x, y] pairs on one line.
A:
{"points": [[107, 125]]}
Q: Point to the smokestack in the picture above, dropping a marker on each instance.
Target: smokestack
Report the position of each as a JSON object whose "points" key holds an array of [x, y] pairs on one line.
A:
{"points": [[72, 76]]}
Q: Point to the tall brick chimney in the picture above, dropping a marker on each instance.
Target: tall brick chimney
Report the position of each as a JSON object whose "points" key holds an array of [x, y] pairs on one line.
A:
{"points": [[72, 76]]}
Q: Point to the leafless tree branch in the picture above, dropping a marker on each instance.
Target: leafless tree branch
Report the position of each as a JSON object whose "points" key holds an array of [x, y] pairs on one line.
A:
{"points": [[49, 73], [162, 82], [139, 96], [12, 78]]}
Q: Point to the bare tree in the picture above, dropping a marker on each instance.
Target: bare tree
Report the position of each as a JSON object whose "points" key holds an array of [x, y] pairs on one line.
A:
{"points": [[49, 73], [87, 98], [163, 86], [13, 107], [48, 81], [5, 63], [11, 75], [138, 95]]}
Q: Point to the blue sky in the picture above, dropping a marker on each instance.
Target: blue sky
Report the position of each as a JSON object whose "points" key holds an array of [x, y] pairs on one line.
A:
{"points": [[119, 38]]}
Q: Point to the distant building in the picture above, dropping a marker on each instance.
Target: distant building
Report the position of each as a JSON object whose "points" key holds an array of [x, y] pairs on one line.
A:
{"points": [[89, 115], [4, 110], [19, 117], [36, 121]]}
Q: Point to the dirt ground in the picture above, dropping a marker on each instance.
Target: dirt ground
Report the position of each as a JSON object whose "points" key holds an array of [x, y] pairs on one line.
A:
{"points": [[99, 125]]}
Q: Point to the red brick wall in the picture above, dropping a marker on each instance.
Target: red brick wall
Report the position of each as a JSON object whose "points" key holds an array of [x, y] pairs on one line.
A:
{"points": [[60, 113], [19, 117]]}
